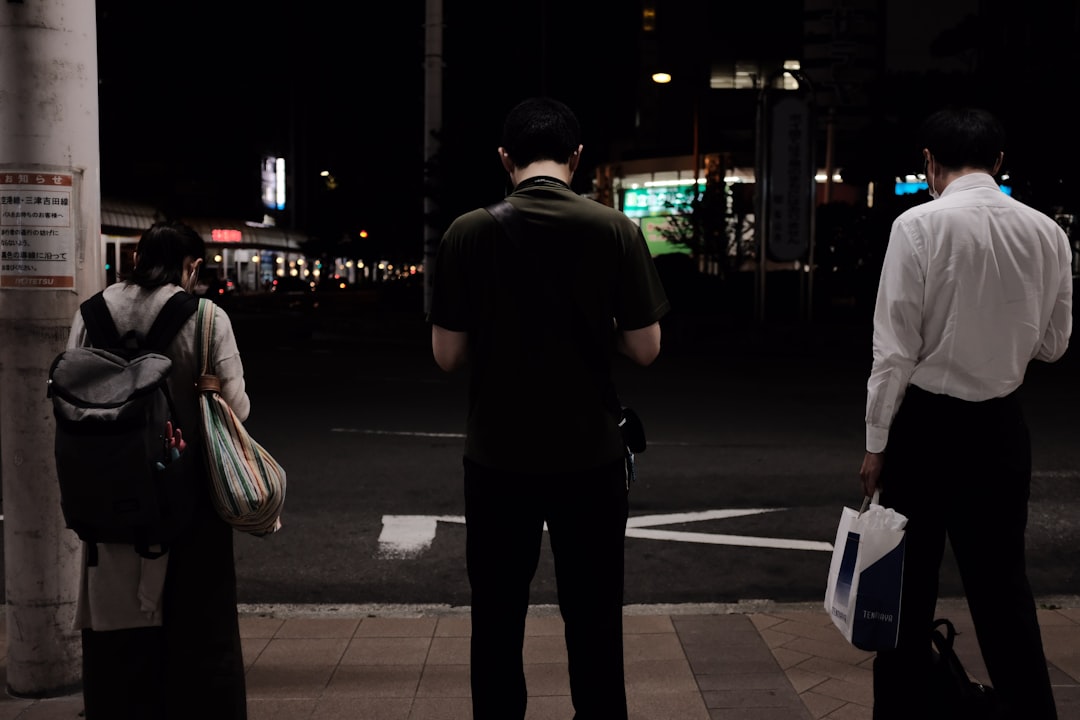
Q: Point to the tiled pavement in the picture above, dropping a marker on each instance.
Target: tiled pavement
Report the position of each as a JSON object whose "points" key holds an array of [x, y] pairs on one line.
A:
{"points": [[736, 662]]}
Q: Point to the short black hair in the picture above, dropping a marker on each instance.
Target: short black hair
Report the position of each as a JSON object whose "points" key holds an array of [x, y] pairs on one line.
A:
{"points": [[960, 137], [160, 254], [540, 128]]}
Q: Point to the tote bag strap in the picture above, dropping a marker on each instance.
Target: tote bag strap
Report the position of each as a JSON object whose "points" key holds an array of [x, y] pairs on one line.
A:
{"points": [[204, 336]]}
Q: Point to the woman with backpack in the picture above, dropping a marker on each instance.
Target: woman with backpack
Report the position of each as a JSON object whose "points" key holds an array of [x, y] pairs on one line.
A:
{"points": [[160, 637]]}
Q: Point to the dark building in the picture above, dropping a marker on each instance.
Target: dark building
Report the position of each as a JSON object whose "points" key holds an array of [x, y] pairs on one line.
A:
{"points": [[874, 69]]}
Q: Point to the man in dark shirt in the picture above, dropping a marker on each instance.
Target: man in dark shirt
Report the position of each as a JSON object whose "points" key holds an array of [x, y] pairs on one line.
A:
{"points": [[538, 316]]}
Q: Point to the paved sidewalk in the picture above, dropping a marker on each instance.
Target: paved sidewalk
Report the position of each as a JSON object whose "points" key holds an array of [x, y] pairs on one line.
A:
{"points": [[756, 661]]}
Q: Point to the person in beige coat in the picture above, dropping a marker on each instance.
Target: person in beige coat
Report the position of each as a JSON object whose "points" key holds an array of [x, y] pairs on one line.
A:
{"points": [[160, 637]]}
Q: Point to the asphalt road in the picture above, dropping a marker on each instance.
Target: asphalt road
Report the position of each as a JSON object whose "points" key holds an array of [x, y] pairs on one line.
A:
{"points": [[755, 439]]}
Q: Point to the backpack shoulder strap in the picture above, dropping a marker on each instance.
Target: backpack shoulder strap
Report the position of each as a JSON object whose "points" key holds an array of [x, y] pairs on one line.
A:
{"points": [[508, 217], [167, 324], [100, 327]]}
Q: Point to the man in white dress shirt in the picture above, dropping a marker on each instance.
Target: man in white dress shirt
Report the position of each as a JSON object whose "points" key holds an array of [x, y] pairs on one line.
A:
{"points": [[973, 287]]}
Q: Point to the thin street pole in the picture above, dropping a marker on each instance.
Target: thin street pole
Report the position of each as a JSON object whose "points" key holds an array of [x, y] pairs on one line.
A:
{"points": [[51, 258], [432, 125], [696, 149], [762, 177]]}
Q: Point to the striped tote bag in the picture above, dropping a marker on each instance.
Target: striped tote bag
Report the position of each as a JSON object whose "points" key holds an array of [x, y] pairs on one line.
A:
{"points": [[248, 483]]}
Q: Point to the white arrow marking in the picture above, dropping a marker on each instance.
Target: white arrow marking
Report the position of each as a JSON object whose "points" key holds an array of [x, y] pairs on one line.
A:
{"points": [[740, 540], [404, 433], [679, 518], [407, 536]]}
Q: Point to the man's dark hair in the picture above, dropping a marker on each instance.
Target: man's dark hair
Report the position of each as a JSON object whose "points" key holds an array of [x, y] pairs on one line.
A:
{"points": [[960, 137], [540, 128], [160, 254]]}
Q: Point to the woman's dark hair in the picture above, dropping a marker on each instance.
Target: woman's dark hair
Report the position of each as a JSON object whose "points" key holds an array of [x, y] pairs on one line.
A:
{"points": [[160, 254], [961, 137], [540, 128]]}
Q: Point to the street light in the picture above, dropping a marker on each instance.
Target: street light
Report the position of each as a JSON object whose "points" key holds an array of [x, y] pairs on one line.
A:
{"points": [[664, 78]]}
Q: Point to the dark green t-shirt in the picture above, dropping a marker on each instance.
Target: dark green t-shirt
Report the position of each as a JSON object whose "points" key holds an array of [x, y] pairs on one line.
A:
{"points": [[540, 318]]}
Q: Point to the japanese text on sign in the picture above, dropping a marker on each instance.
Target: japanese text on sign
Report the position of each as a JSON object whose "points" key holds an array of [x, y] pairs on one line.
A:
{"points": [[37, 230], [791, 181]]}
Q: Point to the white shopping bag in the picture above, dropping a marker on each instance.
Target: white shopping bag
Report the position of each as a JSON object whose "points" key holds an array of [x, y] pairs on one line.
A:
{"points": [[862, 595]]}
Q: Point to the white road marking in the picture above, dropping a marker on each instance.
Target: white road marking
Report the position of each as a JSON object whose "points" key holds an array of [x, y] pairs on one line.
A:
{"points": [[739, 540], [408, 536], [679, 518], [1056, 474], [402, 433], [421, 434], [405, 536]]}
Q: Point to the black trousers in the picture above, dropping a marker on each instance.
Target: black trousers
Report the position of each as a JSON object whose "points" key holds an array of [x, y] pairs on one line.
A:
{"points": [[586, 514], [962, 470], [190, 667]]}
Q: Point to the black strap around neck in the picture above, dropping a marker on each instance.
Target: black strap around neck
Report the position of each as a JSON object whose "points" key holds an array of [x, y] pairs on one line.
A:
{"points": [[541, 181]]}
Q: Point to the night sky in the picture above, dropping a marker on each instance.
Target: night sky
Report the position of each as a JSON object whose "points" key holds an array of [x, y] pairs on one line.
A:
{"points": [[193, 94]]}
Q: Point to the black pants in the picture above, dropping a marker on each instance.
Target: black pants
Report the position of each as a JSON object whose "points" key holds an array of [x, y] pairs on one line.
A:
{"points": [[962, 470], [586, 516], [191, 666]]}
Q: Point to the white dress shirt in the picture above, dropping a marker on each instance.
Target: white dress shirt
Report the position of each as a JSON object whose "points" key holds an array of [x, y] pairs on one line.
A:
{"points": [[974, 286]]}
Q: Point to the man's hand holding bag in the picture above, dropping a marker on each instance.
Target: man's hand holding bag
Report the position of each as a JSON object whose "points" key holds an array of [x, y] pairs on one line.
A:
{"points": [[866, 574]]}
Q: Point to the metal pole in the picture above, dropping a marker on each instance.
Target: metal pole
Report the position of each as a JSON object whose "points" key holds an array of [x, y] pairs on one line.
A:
{"points": [[810, 259], [50, 260], [805, 86], [432, 125], [697, 146], [830, 125], [761, 191]]}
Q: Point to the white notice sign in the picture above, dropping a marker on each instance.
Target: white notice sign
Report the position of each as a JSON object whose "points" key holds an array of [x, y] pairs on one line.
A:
{"points": [[37, 230]]}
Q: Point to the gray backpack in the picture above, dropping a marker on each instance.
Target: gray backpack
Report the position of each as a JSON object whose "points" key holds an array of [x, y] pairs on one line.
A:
{"points": [[120, 481]]}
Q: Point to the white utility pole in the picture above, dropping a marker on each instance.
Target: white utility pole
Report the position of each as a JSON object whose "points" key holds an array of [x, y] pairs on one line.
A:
{"points": [[433, 59], [50, 238]]}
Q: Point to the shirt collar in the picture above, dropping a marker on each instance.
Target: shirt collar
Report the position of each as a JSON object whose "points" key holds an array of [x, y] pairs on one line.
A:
{"points": [[970, 181]]}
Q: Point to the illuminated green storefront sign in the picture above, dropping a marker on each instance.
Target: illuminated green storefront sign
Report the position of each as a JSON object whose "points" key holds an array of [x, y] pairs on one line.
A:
{"points": [[663, 200], [652, 206]]}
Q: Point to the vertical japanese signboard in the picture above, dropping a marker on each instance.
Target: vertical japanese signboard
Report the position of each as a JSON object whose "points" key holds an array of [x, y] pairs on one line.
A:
{"points": [[37, 230], [791, 180], [842, 54]]}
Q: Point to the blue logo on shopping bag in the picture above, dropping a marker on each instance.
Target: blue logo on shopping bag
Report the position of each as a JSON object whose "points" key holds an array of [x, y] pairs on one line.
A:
{"points": [[845, 576], [876, 620]]}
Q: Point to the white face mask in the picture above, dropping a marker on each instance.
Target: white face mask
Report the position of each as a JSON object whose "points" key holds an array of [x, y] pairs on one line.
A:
{"points": [[934, 194]]}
